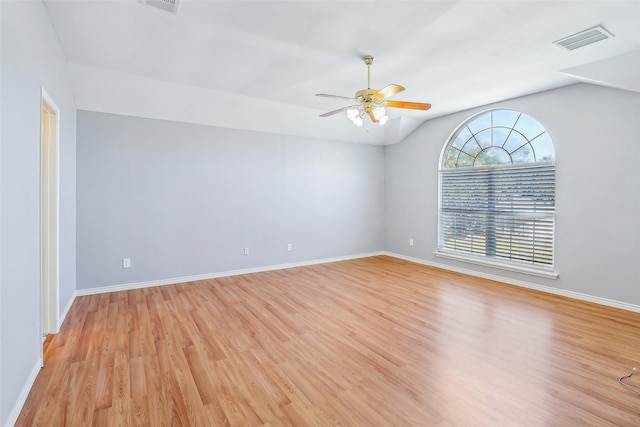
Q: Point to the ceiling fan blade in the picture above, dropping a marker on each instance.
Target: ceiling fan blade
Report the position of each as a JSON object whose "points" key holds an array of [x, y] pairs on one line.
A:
{"points": [[387, 91], [373, 118], [331, 113], [409, 105], [335, 96]]}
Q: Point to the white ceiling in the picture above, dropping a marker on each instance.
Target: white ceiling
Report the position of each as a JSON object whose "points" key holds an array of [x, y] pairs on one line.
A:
{"points": [[258, 64]]}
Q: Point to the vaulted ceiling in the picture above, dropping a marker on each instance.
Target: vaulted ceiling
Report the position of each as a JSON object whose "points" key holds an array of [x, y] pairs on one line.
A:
{"points": [[257, 65]]}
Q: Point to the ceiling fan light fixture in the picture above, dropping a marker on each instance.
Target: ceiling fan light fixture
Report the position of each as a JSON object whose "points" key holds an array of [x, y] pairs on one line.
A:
{"points": [[378, 112], [383, 120], [352, 113], [358, 121]]}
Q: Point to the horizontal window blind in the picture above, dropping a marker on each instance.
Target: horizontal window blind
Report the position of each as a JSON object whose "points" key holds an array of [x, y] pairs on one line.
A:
{"points": [[500, 212]]}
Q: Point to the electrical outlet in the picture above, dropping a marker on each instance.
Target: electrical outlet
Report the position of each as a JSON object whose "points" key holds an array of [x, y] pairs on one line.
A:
{"points": [[410, 242], [126, 262], [289, 247], [246, 251]]}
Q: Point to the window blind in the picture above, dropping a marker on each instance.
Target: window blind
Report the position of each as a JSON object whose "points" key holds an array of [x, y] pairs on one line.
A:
{"points": [[502, 212]]}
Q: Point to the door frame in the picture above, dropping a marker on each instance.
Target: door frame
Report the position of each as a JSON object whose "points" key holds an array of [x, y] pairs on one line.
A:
{"points": [[49, 213]]}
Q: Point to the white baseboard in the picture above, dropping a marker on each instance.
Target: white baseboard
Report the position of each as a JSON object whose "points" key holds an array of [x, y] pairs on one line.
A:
{"points": [[174, 280], [520, 283], [64, 313], [523, 284], [15, 413]]}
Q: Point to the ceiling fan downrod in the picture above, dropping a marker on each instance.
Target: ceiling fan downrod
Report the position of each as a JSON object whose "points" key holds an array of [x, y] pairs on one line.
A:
{"points": [[368, 59]]}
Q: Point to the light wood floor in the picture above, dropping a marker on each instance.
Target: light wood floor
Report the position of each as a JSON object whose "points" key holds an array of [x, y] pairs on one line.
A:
{"points": [[368, 342]]}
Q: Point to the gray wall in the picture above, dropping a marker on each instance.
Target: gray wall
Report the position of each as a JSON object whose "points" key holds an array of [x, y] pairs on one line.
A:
{"points": [[182, 199], [31, 59], [595, 133]]}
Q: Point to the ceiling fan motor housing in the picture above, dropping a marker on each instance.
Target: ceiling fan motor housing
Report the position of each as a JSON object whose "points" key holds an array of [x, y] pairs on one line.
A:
{"points": [[365, 97]]}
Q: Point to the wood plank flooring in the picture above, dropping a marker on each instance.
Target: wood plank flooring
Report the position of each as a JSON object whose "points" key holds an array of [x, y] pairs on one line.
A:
{"points": [[369, 342]]}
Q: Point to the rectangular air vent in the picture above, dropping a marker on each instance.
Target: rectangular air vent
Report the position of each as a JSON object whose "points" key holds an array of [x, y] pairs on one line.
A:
{"points": [[168, 5], [584, 38]]}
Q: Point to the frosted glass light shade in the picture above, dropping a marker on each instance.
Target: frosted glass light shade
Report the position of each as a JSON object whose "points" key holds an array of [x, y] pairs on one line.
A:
{"points": [[378, 112], [352, 113]]}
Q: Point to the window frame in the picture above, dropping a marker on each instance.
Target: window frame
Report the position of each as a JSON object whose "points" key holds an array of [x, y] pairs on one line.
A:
{"points": [[529, 266]]}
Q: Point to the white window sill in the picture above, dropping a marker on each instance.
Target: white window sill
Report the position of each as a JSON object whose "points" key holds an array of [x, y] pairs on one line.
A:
{"points": [[548, 274]]}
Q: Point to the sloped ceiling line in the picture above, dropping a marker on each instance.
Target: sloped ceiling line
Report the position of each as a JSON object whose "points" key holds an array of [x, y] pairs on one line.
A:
{"points": [[256, 65]]}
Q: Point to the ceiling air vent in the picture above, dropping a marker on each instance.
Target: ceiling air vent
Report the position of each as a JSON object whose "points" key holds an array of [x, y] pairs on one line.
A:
{"points": [[168, 5], [583, 38]]}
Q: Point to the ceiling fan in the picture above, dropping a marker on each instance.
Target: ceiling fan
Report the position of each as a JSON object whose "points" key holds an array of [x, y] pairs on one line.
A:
{"points": [[372, 102]]}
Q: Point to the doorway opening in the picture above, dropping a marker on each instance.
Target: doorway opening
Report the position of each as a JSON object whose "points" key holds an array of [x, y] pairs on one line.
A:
{"points": [[49, 224]]}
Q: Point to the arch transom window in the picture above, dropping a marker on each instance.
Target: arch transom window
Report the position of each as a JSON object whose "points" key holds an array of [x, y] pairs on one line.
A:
{"points": [[497, 192], [499, 137]]}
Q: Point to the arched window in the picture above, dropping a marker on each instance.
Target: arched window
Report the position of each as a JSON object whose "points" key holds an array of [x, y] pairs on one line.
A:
{"points": [[497, 193]]}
